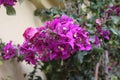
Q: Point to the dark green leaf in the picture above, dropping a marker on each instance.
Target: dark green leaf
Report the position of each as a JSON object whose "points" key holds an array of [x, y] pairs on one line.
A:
{"points": [[114, 78], [115, 19], [80, 56], [10, 10], [114, 31]]}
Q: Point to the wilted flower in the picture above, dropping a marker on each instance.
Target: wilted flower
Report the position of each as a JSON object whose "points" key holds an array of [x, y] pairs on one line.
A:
{"points": [[97, 41], [99, 29], [106, 34], [109, 68], [116, 9]]}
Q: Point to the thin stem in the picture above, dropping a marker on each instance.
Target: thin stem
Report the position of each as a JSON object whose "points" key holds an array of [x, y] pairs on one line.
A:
{"points": [[65, 4], [96, 71], [106, 64]]}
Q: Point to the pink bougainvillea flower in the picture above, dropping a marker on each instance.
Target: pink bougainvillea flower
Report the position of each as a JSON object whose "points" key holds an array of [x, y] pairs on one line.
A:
{"points": [[8, 2], [106, 34], [58, 39], [115, 9], [30, 33], [28, 52], [97, 41], [98, 21], [9, 51]]}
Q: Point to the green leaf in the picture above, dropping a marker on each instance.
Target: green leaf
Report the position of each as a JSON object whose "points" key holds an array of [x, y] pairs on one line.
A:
{"points": [[80, 20], [97, 50], [114, 78], [115, 19], [1, 62], [80, 56], [76, 77], [114, 31], [10, 10], [118, 32]]}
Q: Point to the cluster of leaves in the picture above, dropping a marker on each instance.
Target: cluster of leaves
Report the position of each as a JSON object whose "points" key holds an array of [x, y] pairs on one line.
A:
{"points": [[32, 75], [1, 46]]}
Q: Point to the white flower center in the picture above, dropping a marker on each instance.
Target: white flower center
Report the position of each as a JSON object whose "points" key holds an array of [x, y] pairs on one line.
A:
{"points": [[64, 28]]}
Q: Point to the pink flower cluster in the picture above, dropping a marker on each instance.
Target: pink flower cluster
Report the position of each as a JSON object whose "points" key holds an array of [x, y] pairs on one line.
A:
{"points": [[8, 2], [9, 51], [105, 34], [57, 39], [116, 9]]}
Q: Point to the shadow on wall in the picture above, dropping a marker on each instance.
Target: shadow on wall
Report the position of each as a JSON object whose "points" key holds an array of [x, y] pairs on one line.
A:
{"points": [[11, 70], [14, 70]]}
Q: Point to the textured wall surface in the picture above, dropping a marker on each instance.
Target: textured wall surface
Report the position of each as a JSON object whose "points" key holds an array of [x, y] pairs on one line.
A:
{"points": [[12, 28]]}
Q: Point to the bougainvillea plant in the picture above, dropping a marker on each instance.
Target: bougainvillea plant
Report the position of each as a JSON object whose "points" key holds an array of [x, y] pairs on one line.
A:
{"points": [[78, 42]]}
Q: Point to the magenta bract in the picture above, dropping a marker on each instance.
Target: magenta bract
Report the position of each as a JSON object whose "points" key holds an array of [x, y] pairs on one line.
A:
{"points": [[9, 51], [8, 2], [57, 39]]}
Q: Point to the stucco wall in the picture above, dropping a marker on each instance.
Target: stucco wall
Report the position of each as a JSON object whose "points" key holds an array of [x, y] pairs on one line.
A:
{"points": [[12, 28]]}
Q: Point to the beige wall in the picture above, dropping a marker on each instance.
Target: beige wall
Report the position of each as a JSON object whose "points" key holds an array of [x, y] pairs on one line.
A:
{"points": [[12, 28]]}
